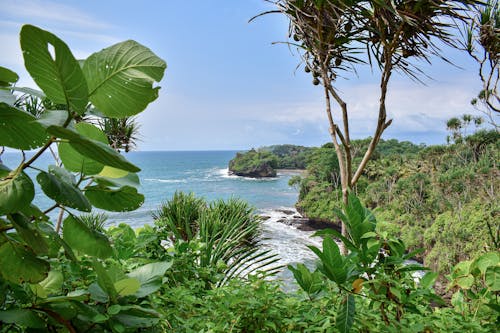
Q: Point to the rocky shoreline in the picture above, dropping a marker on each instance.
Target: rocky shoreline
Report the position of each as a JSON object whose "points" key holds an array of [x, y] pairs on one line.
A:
{"points": [[295, 219]]}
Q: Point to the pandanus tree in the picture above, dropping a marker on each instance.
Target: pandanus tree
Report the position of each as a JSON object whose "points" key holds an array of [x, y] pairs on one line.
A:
{"points": [[482, 42], [336, 36], [122, 133]]}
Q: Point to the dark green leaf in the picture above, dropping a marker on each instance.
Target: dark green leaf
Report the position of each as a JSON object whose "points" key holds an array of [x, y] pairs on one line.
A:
{"points": [[345, 314], [93, 149], [53, 117], [54, 236], [63, 191], [59, 74], [19, 129], [19, 264], [23, 317], [127, 286], [150, 276], [76, 162], [121, 78], [427, 281], [82, 239], [53, 282], [120, 200], [7, 77], [16, 190], [104, 280], [492, 278], [137, 317], [29, 233]]}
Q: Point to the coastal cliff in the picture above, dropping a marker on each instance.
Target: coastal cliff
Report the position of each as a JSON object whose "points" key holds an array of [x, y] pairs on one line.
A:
{"points": [[264, 161]]}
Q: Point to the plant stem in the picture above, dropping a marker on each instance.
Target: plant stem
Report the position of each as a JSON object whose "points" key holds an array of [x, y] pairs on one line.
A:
{"points": [[59, 220]]}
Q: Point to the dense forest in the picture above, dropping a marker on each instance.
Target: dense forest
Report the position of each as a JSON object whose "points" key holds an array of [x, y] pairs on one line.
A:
{"points": [[441, 198]]}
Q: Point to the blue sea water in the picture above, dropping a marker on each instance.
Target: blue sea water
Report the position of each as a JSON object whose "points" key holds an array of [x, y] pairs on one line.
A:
{"points": [[202, 172], [205, 174]]}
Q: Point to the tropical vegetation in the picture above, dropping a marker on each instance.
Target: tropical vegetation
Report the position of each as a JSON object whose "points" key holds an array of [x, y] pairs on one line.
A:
{"points": [[336, 37], [264, 161], [441, 198], [200, 266]]}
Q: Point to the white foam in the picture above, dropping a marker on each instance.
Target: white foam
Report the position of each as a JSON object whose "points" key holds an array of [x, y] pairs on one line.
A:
{"points": [[224, 173], [286, 240], [170, 181]]}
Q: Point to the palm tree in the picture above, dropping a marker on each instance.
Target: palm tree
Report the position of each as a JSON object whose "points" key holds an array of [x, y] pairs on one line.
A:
{"points": [[122, 133]]}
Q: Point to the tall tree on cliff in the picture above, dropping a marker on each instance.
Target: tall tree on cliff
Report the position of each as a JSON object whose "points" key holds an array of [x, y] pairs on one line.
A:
{"points": [[336, 36], [482, 42]]}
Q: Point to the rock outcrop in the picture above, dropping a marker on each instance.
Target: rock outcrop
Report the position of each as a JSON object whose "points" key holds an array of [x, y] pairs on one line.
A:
{"points": [[253, 164], [255, 171]]}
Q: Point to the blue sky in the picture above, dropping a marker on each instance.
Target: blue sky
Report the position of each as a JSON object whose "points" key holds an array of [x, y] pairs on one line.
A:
{"points": [[226, 85]]}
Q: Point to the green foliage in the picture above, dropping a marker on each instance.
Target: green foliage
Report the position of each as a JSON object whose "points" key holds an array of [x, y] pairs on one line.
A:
{"points": [[254, 163], [178, 216], [263, 161], [290, 156], [440, 198], [477, 288], [182, 275], [75, 282], [19, 129], [124, 74], [220, 238], [59, 75], [374, 288]]}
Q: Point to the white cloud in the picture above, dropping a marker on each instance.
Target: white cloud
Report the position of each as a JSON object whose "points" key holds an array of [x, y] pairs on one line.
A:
{"points": [[416, 107], [55, 13], [11, 51], [84, 33]]}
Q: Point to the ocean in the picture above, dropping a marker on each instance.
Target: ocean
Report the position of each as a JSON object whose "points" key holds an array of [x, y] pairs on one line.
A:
{"points": [[205, 174]]}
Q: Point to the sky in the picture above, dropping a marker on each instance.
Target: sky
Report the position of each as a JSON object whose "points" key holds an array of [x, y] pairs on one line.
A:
{"points": [[227, 86]]}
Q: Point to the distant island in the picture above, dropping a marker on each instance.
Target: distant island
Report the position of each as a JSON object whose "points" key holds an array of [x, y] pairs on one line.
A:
{"points": [[263, 162]]}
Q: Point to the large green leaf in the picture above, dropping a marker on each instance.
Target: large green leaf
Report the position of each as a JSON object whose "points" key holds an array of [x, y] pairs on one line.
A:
{"points": [[16, 190], [19, 264], [311, 283], [19, 129], [53, 117], [484, 261], [93, 149], [30, 234], [105, 281], [53, 282], [345, 315], [492, 278], [150, 276], [59, 74], [81, 238], [121, 78], [62, 190], [134, 316], [73, 160], [131, 179], [7, 77], [23, 317], [54, 236], [123, 199], [127, 286]]}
